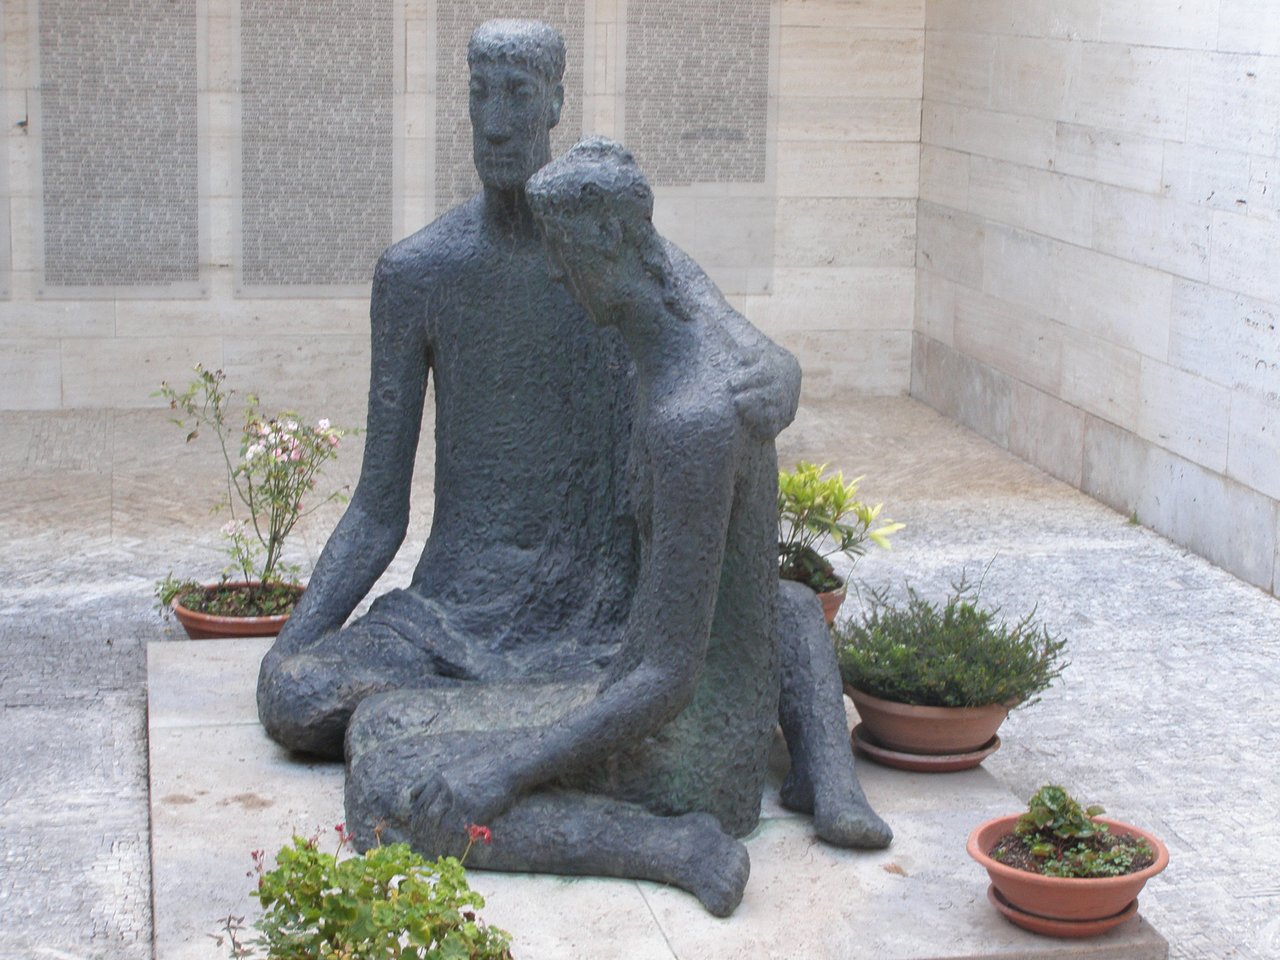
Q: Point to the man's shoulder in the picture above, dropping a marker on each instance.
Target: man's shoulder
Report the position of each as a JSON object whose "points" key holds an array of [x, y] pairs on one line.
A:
{"points": [[445, 241]]}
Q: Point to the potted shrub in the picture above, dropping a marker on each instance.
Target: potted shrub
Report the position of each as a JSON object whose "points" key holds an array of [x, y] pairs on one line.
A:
{"points": [[278, 463], [387, 902], [819, 517], [933, 681], [1061, 870]]}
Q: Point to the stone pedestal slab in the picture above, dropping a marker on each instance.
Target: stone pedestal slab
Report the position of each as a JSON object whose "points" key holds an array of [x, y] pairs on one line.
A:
{"points": [[220, 789]]}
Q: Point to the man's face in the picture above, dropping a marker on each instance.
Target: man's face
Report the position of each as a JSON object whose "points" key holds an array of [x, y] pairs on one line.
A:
{"points": [[512, 113]]}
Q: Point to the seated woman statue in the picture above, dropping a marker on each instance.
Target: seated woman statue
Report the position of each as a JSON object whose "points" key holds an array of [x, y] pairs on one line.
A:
{"points": [[655, 768]]}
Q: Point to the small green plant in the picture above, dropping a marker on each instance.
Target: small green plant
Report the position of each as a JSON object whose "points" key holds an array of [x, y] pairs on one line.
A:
{"points": [[820, 516], [386, 904], [278, 463], [1058, 837], [954, 654]]}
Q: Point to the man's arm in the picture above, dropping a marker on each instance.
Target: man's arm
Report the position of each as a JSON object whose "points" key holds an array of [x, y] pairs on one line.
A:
{"points": [[371, 530]]}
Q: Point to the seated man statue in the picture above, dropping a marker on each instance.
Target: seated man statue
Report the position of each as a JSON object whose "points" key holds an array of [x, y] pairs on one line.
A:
{"points": [[651, 768]]}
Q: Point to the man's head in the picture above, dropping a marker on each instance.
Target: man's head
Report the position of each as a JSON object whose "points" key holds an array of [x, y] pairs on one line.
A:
{"points": [[596, 210], [515, 98]]}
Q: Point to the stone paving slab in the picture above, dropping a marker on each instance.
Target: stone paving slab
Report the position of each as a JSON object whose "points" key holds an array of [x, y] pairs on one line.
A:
{"points": [[220, 788]]}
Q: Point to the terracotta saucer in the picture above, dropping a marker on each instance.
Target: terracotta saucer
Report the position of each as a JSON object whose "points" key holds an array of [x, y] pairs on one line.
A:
{"points": [[923, 762], [1058, 928]]}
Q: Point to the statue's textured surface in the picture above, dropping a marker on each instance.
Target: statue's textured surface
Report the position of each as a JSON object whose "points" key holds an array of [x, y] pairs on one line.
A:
{"points": [[595, 648]]}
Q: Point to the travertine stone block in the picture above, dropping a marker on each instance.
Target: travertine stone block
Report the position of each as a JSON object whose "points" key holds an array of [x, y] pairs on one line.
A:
{"points": [[962, 388], [944, 177], [220, 42], [1230, 339], [1207, 175], [1185, 414], [970, 16], [1234, 103], [1264, 186], [1117, 301], [840, 232], [1047, 432], [830, 61], [1013, 340], [243, 318], [1102, 378], [852, 299], [849, 118], [58, 318], [124, 372], [853, 13], [1248, 26], [1154, 83], [1028, 140], [30, 375], [958, 68], [1254, 451], [1183, 501], [1041, 201], [1156, 23], [951, 243], [325, 370], [875, 363], [1067, 19], [1125, 160], [1244, 255], [733, 231], [826, 169], [1166, 234], [1114, 468], [935, 310], [1034, 76]]}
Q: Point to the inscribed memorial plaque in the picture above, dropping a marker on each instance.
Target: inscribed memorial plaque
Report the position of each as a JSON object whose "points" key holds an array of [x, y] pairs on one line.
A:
{"points": [[317, 79], [697, 89], [119, 143]]}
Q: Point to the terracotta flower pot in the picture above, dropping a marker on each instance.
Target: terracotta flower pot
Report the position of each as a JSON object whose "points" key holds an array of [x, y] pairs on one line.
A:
{"points": [[207, 626], [1065, 899], [831, 601], [906, 728]]}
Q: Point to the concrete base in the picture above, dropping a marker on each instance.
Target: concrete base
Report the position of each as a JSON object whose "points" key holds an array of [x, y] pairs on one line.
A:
{"points": [[220, 788]]}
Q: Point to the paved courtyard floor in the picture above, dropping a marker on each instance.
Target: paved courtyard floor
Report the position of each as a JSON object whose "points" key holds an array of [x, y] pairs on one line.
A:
{"points": [[1166, 715]]}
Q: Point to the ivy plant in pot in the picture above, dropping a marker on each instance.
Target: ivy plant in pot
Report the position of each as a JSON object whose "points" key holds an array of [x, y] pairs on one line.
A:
{"points": [[932, 682], [1061, 870], [819, 517], [271, 480]]}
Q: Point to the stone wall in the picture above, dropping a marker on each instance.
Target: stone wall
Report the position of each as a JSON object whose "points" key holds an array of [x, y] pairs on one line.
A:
{"points": [[220, 197], [1099, 234]]}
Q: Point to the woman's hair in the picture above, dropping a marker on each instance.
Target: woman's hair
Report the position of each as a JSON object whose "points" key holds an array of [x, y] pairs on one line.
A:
{"points": [[599, 177]]}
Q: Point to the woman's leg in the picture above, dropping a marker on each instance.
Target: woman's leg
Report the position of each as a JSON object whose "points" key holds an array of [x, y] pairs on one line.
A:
{"points": [[822, 779]]}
